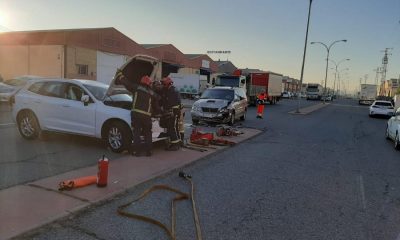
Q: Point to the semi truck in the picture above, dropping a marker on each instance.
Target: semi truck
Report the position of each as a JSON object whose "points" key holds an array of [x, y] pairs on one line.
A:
{"points": [[270, 82], [314, 91], [368, 93]]}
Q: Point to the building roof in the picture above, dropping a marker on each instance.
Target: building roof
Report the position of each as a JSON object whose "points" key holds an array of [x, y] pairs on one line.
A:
{"points": [[246, 71], [147, 46], [59, 30], [191, 56], [226, 67], [102, 39]]}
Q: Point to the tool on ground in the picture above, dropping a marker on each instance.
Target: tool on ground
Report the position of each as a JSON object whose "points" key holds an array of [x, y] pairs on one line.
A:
{"points": [[201, 146], [227, 131], [199, 149], [204, 139], [178, 197], [195, 214], [222, 142], [77, 183], [102, 173], [200, 138]]}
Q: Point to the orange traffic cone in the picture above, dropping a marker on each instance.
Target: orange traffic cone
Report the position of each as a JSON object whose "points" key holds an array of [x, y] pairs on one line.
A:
{"points": [[77, 183]]}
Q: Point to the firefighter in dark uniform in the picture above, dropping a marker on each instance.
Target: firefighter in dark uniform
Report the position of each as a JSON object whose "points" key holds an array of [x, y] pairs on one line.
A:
{"points": [[171, 103], [142, 106]]}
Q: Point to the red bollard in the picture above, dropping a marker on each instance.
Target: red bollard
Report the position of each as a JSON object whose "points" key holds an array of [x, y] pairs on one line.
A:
{"points": [[102, 174]]}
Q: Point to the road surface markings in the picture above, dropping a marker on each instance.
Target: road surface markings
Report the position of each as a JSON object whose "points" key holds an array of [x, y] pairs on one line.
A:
{"points": [[345, 105], [362, 191], [6, 125], [309, 109]]}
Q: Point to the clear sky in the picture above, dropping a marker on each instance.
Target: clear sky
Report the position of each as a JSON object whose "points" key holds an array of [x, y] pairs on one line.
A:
{"points": [[265, 34]]}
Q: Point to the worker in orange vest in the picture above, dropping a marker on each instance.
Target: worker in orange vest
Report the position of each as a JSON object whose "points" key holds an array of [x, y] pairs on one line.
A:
{"points": [[260, 102]]}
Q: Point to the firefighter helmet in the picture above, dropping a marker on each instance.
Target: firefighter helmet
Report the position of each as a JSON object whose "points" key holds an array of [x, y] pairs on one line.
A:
{"points": [[145, 80], [167, 81]]}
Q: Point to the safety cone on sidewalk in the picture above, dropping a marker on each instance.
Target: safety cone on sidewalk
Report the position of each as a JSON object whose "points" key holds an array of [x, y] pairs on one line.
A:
{"points": [[77, 183]]}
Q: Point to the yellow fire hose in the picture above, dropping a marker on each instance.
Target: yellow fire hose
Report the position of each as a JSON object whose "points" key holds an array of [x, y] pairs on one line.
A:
{"points": [[171, 232]]}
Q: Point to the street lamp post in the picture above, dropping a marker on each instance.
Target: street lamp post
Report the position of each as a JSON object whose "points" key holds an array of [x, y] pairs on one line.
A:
{"points": [[304, 58], [328, 48], [338, 75], [336, 71]]}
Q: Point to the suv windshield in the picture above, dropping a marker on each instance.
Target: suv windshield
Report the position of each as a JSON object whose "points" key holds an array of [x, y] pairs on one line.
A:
{"points": [[226, 94], [98, 92]]}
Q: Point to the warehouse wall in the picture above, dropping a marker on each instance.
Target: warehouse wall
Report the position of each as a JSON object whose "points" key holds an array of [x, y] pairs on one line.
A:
{"points": [[47, 61]]}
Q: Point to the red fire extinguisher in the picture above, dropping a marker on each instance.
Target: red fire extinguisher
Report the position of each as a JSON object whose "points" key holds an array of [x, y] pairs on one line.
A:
{"points": [[102, 174]]}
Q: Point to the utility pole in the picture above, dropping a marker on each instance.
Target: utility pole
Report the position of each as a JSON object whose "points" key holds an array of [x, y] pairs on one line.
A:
{"points": [[377, 72], [385, 61], [365, 78]]}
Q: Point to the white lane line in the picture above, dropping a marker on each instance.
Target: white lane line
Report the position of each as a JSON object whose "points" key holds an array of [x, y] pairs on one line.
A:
{"points": [[345, 105], [5, 125], [362, 191]]}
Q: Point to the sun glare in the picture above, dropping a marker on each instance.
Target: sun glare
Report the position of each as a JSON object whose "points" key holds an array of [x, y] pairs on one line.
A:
{"points": [[3, 21]]}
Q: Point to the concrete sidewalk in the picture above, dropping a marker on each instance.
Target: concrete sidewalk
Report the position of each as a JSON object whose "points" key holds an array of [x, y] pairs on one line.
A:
{"points": [[26, 207]]}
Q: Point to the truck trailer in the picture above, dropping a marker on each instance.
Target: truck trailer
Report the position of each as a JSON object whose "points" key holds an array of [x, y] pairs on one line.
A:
{"points": [[188, 85], [270, 82], [368, 94]]}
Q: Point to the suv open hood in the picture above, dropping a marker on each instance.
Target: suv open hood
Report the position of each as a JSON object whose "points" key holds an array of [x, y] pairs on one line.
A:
{"points": [[134, 69]]}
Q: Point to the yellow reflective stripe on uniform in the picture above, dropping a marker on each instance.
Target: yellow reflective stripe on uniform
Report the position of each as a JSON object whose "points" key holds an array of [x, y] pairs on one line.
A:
{"points": [[134, 100], [143, 112], [177, 106], [149, 109], [176, 141]]}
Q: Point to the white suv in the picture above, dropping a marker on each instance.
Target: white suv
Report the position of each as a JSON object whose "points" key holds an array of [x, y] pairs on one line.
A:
{"points": [[81, 107]]}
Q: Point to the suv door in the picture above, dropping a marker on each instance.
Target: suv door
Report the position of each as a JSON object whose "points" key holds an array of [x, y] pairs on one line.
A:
{"points": [[49, 107], [78, 117], [240, 102]]}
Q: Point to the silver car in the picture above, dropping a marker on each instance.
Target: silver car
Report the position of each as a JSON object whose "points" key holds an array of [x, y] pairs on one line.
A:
{"points": [[220, 105], [10, 87]]}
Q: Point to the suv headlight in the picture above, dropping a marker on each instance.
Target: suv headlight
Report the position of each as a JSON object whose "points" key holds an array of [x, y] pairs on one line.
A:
{"points": [[196, 108], [224, 110]]}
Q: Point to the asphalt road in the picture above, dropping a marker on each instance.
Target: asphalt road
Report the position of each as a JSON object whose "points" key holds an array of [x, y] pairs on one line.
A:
{"points": [[327, 175]]}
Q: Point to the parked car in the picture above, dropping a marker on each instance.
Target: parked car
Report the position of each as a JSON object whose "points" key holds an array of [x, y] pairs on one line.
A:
{"points": [[10, 87], [327, 98], [393, 129], [82, 107], [220, 105], [286, 95], [381, 108]]}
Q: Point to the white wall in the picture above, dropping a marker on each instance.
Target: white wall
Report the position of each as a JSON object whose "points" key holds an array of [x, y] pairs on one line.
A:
{"points": [[107, 65]]}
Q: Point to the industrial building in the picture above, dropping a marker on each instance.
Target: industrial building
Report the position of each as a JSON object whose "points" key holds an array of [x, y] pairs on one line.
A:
{"points": [[87, 54]]}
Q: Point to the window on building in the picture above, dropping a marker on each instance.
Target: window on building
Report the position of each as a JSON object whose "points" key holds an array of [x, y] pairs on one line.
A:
{"points": [[82, 69]]}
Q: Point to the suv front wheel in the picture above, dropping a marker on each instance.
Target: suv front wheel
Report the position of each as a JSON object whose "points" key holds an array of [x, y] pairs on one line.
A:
{"points": [[118, 136]]}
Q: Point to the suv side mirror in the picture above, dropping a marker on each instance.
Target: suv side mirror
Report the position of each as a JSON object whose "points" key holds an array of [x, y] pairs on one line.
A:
{"points": [[85, 99]]}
